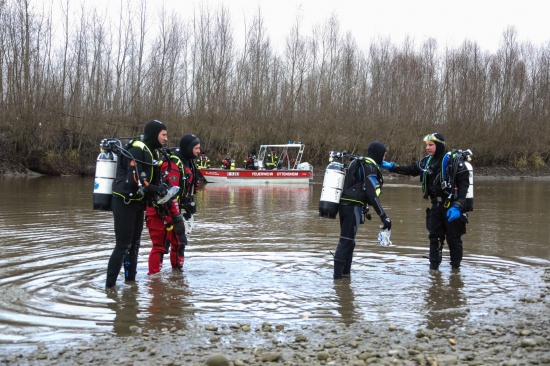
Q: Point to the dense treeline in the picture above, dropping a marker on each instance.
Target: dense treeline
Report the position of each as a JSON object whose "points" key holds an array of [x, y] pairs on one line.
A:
{"points": [[65, 85]]}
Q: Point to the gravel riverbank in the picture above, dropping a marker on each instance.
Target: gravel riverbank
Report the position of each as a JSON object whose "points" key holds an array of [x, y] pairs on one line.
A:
{"points": [[517, 335]]}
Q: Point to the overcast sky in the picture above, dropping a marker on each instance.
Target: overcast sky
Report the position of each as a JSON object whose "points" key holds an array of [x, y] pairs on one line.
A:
{"points": [[449, 22]]}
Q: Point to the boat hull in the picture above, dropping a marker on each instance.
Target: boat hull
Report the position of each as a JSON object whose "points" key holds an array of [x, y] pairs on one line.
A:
{"points": [[287, 176]]}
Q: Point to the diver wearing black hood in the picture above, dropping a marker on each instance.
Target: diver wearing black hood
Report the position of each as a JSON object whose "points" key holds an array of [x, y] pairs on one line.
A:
{"points": [[133, 186], [166, 222], [447, 217], [362, 186]]}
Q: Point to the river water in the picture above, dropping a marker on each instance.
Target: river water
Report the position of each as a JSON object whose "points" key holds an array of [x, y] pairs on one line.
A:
{"points": [[260, 254]]}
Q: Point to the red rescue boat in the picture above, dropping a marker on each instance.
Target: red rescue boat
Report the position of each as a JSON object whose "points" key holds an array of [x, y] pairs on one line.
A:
{"points": [[288, 169]]}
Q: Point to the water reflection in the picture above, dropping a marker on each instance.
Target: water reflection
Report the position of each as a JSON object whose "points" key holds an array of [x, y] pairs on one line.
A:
{"points": [[445, 300], [345, 301], [160, 302], [167, 303], [261, 213], [258, 254], [125, 306]]}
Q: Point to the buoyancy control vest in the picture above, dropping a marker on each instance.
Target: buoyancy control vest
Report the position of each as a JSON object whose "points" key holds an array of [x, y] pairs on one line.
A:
{"points": [[188, 183], [444, 184], [129, 179], [184, 176], [355, 185]]}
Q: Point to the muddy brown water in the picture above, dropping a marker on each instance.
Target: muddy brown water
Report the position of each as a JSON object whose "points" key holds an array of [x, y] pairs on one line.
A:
{"points": [[260, 254]]}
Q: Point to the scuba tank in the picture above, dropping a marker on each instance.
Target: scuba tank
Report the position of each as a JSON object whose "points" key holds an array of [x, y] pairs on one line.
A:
{"points": [[333, 184], [463, 157], [469, 201], [105, 173], [466, 156]]}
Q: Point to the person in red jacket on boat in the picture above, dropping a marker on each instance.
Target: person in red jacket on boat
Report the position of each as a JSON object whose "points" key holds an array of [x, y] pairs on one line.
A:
{"points": [[250, 162], [166, 221]]}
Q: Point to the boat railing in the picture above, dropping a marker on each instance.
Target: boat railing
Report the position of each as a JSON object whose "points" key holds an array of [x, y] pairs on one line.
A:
{"points": [[283, 152]]}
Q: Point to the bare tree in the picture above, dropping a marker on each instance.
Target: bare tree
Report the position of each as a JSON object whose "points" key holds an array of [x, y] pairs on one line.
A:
{"points": [[104, 78], [295, 73]]}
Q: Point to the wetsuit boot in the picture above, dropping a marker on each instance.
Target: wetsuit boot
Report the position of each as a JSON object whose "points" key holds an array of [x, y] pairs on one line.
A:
{"points": [[130, 262], [112, 272], [129, 268], [349, 259], [338, 269], [114, 265], [176, 259], [155, 258], [436, 254], [455, 252]]}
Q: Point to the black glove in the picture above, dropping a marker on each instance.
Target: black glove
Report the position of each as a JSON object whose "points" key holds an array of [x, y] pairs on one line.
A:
{"points": [[366, 213], [179, 226], [186, 214], [386, 222], [160, 190], [189, 205]]}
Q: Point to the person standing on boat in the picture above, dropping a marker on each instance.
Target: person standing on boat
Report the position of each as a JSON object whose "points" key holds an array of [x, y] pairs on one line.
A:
{"points": [[228, 163], [271, 160], [362, 186], [166, 221], [203, 162], [250, 162], [445, 184], [132, 188]]}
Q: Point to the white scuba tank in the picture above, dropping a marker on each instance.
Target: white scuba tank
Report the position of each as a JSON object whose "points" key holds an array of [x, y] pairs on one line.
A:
{"points": [[105, 173], [469, 202], [333, 185]]}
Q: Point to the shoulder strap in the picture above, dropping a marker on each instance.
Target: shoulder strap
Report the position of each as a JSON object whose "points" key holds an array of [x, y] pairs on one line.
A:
{"points": [[424, 172], [176, 159], [379, 175], [141, 145]]}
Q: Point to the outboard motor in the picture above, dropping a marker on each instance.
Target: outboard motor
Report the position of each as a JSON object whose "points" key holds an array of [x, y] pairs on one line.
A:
{"points": [[105, 173], [333, 184]]}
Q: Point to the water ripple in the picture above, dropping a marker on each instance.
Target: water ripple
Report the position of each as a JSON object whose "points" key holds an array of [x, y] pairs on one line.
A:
{"points": [[256, 254]]}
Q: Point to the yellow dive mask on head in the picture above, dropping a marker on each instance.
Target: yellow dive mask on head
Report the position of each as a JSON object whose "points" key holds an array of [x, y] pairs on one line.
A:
{"points": [[432, 137]]}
